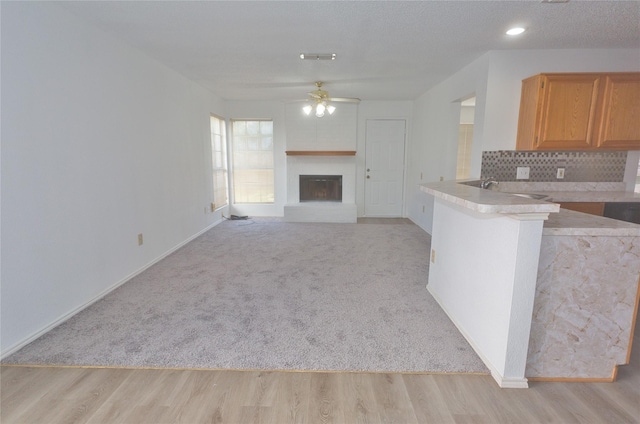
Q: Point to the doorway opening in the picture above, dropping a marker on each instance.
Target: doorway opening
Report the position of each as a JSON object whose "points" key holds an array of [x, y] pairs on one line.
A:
{"points": [[465, 138]]}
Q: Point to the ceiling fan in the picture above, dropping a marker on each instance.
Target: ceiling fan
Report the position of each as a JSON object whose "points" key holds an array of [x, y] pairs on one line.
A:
{"points": [[320, 101]]}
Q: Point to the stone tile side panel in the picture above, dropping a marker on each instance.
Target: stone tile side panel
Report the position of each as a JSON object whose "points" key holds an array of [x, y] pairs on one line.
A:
{"points": [[584, 306]]}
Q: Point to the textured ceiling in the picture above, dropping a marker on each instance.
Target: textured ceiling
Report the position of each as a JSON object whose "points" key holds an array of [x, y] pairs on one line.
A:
{"points": [[386, 50]]}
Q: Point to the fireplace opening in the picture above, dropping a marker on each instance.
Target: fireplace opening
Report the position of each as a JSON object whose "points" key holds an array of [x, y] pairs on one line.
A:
{"points": [[320, 188]]}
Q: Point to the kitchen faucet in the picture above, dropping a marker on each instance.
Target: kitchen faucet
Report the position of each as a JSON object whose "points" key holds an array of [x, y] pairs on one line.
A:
{"points": [[488, 182]]}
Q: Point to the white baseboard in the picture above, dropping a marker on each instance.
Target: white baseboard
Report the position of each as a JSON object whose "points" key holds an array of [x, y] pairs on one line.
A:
{"points": [[100, 295], [511, 383], [419, 225], [503, 382]]}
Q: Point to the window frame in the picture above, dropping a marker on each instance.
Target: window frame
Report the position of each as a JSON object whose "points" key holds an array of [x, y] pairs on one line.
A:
{"points": [[224, 168]]}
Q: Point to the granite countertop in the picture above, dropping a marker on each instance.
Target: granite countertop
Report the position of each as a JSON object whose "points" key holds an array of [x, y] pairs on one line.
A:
{"points": [[572, 223], [592, 196], [486, 201], [560, 221]]}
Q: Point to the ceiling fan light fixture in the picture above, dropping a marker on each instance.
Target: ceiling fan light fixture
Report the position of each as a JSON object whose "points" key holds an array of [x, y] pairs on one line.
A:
{"points": [[515, 31], [320, 109]]}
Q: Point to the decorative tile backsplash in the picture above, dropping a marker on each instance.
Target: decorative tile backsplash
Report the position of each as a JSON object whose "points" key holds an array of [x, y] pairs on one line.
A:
{"points": [[543, 166]]}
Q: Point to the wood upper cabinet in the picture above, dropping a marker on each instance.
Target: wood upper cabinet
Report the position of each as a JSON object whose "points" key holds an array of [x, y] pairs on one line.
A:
{"points": [[619, 123], [583, 111]]}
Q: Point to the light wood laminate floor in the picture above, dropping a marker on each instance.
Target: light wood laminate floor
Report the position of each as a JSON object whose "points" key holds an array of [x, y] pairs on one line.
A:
{"points": [[103, 395]]}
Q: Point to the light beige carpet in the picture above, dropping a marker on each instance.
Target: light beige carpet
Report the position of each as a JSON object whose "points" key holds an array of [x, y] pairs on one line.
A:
{"points": [[265, 294]]}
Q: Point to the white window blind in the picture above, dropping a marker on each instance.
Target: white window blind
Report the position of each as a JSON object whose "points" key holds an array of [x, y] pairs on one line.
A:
{"points": [[253, 174]]}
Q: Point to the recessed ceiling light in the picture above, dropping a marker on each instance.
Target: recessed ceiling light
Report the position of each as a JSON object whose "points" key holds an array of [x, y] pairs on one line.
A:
{"points": [[515, 31], [317, 56]]}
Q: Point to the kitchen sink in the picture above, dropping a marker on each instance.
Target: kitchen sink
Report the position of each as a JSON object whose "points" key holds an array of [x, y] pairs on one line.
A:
{"points": [[530, 195]]}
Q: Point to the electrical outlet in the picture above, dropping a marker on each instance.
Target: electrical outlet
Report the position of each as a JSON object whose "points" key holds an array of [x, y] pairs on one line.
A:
{"points": [[140, 241], [433, 256], [522, 173], [560, 173], [213, 207]]}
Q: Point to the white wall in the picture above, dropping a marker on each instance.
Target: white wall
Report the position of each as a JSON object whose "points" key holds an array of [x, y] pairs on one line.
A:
{"points": [[99, 143], [331, 132], [487, 288], [434, 139], [496, 78]]}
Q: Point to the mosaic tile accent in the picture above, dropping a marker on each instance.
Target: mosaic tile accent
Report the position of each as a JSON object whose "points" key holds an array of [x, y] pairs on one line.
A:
{"points": [[579, 166]]}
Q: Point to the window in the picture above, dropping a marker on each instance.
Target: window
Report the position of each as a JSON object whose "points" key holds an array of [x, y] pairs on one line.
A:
{"points": [[219, 161], [253, 176]]}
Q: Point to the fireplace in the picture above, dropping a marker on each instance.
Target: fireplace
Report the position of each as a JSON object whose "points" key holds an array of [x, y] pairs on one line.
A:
{"points": [[329, 201], [320, 188]]}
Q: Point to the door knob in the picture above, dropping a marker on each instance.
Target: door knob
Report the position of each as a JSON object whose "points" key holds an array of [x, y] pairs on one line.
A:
{"points": [[368, 170], [368, 176]]}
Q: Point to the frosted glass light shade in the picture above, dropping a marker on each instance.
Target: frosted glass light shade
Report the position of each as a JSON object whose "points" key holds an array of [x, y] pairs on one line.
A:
{"points": [[320, 109]]}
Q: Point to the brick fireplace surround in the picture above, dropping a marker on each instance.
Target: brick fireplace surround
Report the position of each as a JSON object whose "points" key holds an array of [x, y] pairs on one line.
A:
{"points": [[321, 163]]}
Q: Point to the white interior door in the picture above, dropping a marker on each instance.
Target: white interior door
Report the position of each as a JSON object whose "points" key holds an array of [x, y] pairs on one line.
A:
{"points": [[385, 139]]}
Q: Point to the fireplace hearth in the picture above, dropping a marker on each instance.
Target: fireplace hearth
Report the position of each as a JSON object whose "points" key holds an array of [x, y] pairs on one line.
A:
{"points": [[320, 188]]}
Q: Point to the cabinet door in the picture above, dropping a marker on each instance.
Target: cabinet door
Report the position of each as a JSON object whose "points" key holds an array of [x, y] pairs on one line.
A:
{"points": [[619, 119], [568, 110], [529, 117], [593, 208]]}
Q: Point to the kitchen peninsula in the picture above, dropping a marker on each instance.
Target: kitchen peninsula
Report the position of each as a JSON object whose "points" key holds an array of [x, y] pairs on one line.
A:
{"points": [[538, 291]]}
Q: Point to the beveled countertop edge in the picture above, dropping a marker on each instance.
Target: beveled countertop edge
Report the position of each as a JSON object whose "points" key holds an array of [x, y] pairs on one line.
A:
{"points": [[486, 201]]}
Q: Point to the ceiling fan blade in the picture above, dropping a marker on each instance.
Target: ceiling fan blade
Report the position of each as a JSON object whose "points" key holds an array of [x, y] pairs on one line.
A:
{"points": [[344, 99], [319, 95]]}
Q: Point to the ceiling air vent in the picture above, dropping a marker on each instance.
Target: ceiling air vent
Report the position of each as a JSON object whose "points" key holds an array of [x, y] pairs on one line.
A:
{"points": [[317, 56]]}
